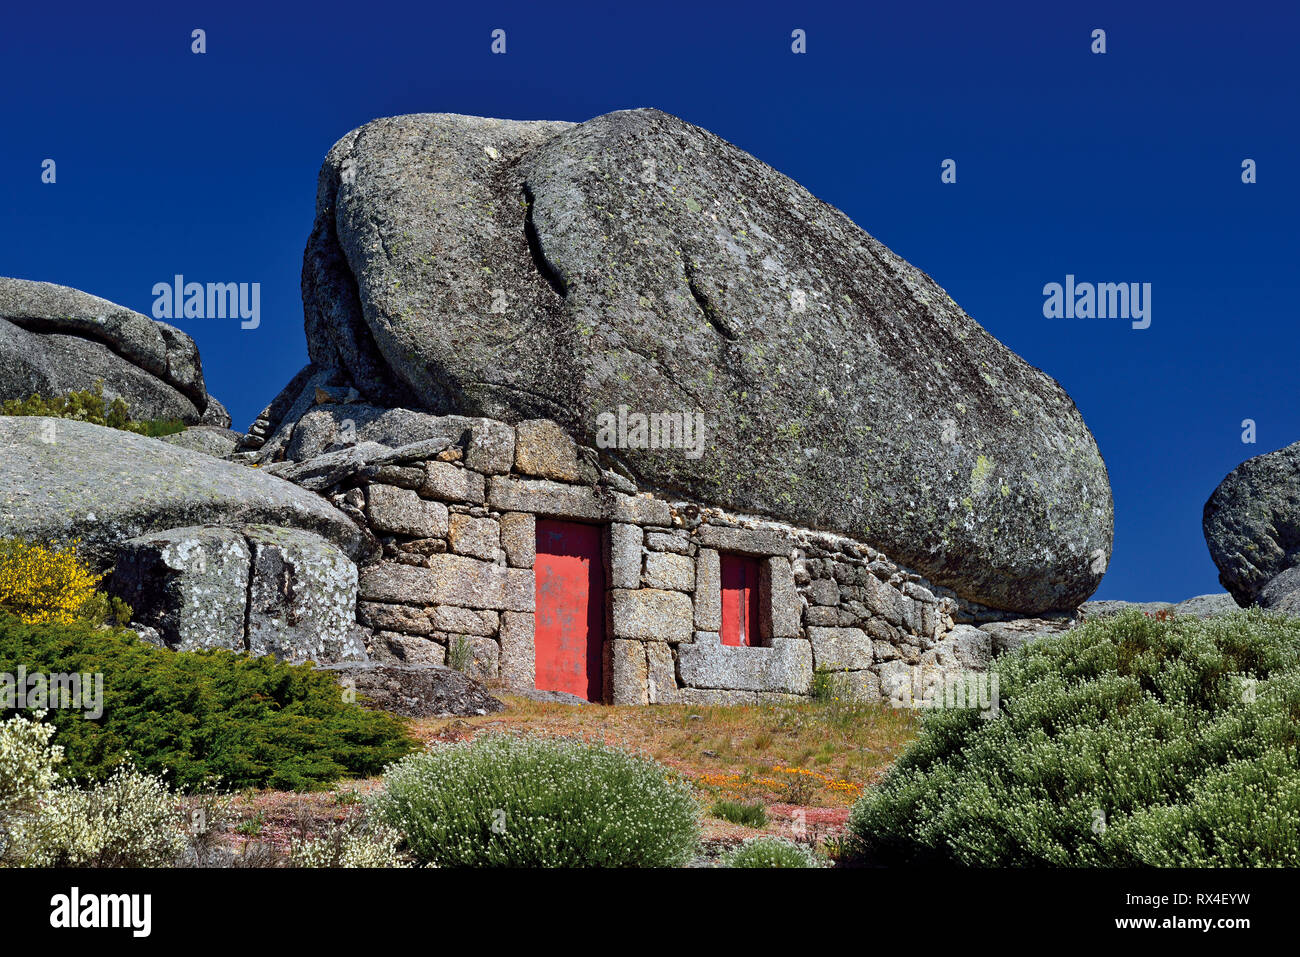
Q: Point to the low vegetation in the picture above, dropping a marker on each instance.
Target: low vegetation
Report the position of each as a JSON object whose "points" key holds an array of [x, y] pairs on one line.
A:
{"points": [[91, 406], [1128, 741], [197, 717], [740, 812], [772, 852], [527, 801], [130, 820]]}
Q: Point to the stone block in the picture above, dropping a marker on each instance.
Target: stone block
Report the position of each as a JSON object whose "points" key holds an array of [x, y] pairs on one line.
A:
{"points": [[476, 537], [708, 590], [841, 648], [464, 621], [747, 541], [544, 450], [824, 591], [786, 666], [624, 555], [484, 655], [450, 580], [491, 447], [453, 483], [543, 497], [778, 601], [668, 571], [628, 672], [406, 649], [402, 618], [661, 672], [883, 600], [638, 510], [400, 511], [668, 542], [650, 614], [518, 660], [519, 538]]}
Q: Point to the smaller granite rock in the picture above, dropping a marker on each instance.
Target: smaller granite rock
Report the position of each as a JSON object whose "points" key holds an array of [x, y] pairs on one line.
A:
{"points": [[1007, 636], [415, 691], [1102, 609], [208, 439], [1252, 522], [1282, 594], [188, 585], [302, 597], [1203, 606]]}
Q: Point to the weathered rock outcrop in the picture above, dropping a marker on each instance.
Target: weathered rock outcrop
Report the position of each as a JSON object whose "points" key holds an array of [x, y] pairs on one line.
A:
{"points": [[208, 439], [1252, 524], [55, 340], [62, 480], [526, 270], [417, 691], [1282, 593], [255, 588]]}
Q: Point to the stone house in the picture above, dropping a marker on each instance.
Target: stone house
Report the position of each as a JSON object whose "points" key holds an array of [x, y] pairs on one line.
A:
{"points": [[510, 551]]}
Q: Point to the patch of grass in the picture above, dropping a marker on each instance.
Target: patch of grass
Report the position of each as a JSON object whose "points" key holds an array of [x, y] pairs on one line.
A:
{"points": [[730, 751], [740, 812], [459, 653]]}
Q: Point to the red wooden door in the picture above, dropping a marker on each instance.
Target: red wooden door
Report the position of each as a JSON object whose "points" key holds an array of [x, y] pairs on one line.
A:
{"points": [[570, 632], [739, 600]]}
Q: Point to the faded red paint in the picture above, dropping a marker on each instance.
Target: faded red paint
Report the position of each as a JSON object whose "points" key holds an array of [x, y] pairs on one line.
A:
{"points": [[739, 600], [570, 630]]}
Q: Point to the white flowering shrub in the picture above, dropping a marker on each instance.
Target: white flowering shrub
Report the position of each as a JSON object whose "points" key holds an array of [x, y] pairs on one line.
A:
{"points": [[354, 843], [1128, 741], [771, 852], [28, 762], [529, 801], [130, 820]]}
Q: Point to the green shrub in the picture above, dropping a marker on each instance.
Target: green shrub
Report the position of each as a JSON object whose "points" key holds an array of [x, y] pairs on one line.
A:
{"points": [[91, 407], [771, 852], [1127, 741], [524, 801], [196, 717], [738, 812]]}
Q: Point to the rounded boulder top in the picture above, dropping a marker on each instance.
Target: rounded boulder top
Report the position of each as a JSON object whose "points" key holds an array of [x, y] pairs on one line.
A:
{"points": [[636, 265]]}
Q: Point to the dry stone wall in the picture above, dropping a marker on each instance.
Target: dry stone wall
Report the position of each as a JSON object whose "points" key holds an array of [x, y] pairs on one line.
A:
{"points": [[454, 517]]}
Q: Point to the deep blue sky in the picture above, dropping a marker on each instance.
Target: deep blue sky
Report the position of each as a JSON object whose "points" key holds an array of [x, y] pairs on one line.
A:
{"points": [[1121, 167]]}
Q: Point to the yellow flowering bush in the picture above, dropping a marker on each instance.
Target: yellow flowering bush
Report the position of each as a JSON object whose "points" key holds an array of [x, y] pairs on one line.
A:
{"points": [[46, 584]]}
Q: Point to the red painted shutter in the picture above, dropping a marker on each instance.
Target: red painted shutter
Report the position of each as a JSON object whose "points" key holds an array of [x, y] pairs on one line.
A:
{"points": [[739, 600]]}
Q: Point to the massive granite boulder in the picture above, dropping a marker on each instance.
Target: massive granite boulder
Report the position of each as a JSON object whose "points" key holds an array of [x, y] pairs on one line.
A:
{"points": [[524, 270], [62, 480], [55, 340], [1252, 525]]}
